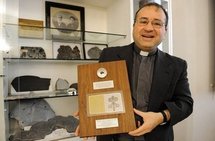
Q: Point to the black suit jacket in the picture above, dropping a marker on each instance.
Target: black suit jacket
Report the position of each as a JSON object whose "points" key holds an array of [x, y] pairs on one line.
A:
{"points": [[170, 88]]}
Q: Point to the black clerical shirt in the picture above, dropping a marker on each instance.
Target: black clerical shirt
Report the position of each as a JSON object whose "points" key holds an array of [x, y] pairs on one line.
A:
{"points": [[142, 77]]}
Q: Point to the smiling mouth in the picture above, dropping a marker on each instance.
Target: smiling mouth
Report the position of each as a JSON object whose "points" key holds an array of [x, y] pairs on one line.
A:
{"points": [[148, 36]]}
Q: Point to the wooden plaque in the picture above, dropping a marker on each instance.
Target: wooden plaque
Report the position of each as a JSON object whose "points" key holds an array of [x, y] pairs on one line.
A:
{"points": [[105, 104]]}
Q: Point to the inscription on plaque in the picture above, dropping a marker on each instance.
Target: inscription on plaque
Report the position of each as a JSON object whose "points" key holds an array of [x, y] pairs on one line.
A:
{"points": [[107, 123], [103, 85]]}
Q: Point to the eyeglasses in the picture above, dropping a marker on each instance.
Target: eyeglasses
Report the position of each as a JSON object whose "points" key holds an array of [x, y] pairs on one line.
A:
{"points": [[155, 23]]}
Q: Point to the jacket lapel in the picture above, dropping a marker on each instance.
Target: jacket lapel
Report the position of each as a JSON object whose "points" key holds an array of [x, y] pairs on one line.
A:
{"points": [[161, 80], [127, 55]]}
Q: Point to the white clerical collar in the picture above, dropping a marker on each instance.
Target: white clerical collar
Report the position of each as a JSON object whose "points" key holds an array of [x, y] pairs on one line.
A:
{"points": [[144, 53]]}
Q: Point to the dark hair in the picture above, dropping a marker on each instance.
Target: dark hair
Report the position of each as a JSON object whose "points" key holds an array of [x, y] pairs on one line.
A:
{"points": [[156, 5]]}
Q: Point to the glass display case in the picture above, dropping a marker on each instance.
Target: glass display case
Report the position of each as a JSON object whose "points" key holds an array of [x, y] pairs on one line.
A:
{"points": [[26, 67]]}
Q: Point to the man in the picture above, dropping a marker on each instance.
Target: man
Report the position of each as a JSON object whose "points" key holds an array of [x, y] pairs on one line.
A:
{"points": [[60, 23], [158, 81]]}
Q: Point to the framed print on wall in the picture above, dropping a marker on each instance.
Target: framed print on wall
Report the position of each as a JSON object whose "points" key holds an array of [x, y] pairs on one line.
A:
{"points": [[67, 51], [93, 51], [65, 21], [29, 28]]}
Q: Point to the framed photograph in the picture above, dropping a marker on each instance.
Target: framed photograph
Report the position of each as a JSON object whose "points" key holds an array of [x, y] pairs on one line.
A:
{"points": [[67, 51], [65, 21], [29, 28], [93, 51]]}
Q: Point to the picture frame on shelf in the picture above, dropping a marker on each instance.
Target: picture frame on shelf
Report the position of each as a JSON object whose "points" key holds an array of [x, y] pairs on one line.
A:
{"points": [[66, 22], [29, 28], [93, 51], [67, 51]]}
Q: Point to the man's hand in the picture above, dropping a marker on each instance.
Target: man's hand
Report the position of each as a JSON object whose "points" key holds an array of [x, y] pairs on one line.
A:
{"points": [[151, 120], [77, 131]]}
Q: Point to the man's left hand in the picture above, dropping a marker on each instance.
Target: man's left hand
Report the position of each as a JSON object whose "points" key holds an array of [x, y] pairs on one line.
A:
{"points": [[151, 120]]}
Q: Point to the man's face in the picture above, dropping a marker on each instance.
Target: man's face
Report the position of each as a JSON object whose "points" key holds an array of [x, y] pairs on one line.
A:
{"points": [[149, 28]]}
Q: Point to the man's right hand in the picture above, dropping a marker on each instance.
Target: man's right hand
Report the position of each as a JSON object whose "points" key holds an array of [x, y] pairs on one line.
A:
{"points": [[77, 130]]}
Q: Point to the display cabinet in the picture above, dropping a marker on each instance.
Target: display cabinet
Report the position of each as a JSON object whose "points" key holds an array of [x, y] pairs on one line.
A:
{"points": [[26, 67]]}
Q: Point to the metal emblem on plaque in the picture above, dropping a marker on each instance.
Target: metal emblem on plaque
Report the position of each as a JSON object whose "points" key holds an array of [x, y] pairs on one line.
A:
{"points": [[101, 72]]}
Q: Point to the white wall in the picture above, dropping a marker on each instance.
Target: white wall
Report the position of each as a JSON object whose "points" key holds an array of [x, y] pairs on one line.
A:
{"points": [[32, 9], [2, 127], [193, 41], [120, 13]]}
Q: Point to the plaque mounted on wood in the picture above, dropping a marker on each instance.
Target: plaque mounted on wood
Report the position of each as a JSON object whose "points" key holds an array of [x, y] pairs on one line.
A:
{"points": [[105, 104]]}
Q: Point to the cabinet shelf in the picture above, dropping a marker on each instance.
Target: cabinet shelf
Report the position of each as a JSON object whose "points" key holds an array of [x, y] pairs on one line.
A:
{"points": [[59, 34], [35, 95], [77, 61]]}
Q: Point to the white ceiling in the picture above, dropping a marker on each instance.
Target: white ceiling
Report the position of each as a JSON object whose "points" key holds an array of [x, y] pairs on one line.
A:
{"points": [[100, 3]]}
